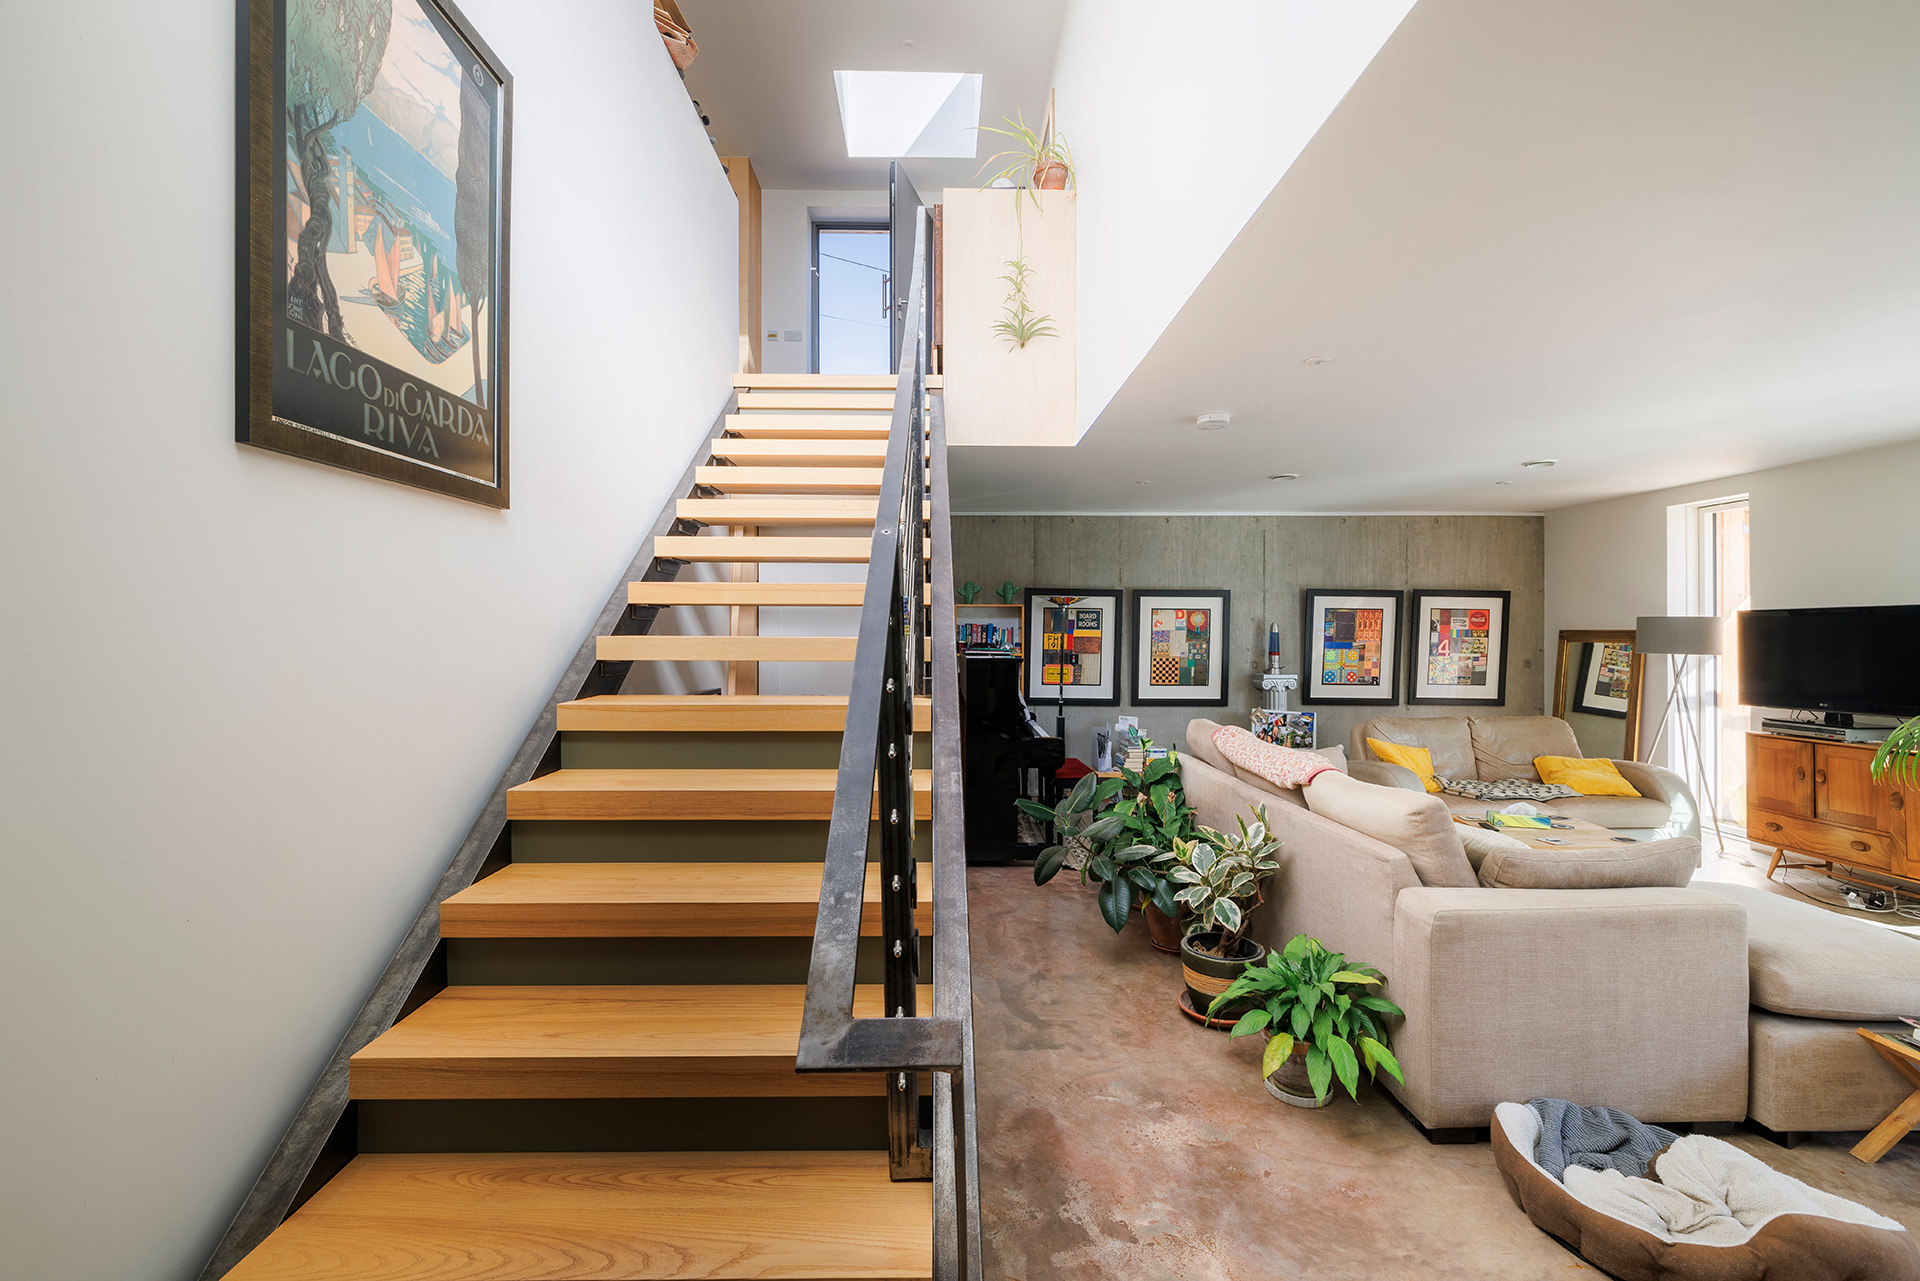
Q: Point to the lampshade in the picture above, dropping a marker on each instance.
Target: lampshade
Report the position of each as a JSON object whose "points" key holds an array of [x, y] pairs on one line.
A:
{"points": [[1677, 634]]}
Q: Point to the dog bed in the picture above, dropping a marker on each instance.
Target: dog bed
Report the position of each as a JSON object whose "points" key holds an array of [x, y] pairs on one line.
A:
{"points": [[1705, 1209]]}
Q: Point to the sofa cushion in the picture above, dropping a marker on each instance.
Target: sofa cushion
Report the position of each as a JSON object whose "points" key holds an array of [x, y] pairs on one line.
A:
{"points": [[1445, 738], [1504, 746], [1589, 776], [1613, 867], [1479, 842], [1417, 759], [1414, 823], [1818, 964], [1615, 811], [1200, 743]]}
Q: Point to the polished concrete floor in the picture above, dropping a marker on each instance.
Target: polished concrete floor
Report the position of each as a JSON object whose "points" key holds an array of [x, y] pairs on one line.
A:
{"points": [[1120, 1140]]}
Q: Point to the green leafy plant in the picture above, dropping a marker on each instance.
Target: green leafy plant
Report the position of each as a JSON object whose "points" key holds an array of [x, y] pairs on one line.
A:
{"points": [[1021, 324], [1899, 757], [1305, 993], [1030, 151], [1219, 873], [1123, 833]]}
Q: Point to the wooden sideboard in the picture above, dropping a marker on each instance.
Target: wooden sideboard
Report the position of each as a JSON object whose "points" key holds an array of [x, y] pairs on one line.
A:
{"points": [[1819, 799]]}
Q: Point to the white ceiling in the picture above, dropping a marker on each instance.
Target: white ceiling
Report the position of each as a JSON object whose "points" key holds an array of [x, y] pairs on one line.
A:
{"points": [[1658, 242], [764, 77]]}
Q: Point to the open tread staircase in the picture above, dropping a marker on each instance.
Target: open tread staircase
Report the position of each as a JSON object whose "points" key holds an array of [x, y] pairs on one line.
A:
{"points": [[800, 450]]}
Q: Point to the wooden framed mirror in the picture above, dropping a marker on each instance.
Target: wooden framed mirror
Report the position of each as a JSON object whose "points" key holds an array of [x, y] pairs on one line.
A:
{"points": [[1587, 693]]}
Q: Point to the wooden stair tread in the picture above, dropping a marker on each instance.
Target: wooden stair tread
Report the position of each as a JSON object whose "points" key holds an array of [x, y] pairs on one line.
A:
{"points": [[735, 649], [824, 382], [809, 426], [690, 793], [661, 592], [747, 452], [690, 1216], [790, 480], [834, 401], [778, 511], [605, 1041], [737, 713], [764, 549], [655, 900]]}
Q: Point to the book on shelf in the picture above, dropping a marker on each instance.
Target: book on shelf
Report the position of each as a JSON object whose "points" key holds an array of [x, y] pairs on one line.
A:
{"points": [[994, 637]]}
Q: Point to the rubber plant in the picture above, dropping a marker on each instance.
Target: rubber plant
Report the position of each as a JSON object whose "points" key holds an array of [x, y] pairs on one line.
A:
{"points": [[1219, 873], [1123, 833], [1899, 757], [1305, 994]]}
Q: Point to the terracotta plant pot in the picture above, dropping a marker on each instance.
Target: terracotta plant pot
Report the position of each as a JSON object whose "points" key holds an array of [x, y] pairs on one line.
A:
{"points": [[1162, 931], [1207, 976], [1289, 1081], [1050, 175]]}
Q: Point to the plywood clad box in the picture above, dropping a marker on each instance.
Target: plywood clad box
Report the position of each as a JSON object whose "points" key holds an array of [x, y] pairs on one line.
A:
{"points": [[997, 394]]}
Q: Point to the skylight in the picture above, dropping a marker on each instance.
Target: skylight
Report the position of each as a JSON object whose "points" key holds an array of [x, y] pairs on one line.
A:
{"points": [[909, 113]]}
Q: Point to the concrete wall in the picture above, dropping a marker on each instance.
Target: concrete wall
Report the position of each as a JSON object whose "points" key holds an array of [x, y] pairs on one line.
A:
{"points": [[1834, 531], [786, 287], [1219, 97], [1266, 562], [252, 703]]}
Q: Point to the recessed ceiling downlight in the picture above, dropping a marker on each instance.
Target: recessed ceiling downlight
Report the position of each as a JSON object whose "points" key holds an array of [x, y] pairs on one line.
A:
{"points": [[1540, 462], [1318, 360], [1212, 422], [1285, 475], [1143, 482]]}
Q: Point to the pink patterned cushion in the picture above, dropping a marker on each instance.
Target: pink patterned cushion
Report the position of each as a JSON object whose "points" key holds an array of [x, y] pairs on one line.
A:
{"points": [[1281, 766]]}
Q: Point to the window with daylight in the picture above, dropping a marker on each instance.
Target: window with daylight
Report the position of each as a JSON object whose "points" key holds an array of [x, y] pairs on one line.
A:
{"points": [[852, 294]]}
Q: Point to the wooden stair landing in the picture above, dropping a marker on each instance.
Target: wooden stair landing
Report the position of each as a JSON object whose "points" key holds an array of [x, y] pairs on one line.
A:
{"points": [[722, 794], [690, 1216], [605, 1042], [717, 713], [655, 900]]}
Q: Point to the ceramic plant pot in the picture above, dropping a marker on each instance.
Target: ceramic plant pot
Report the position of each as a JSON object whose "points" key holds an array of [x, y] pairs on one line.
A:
{"points": [[1050, 176], [1207, 976], [1289, 1081], [1162, 931]]}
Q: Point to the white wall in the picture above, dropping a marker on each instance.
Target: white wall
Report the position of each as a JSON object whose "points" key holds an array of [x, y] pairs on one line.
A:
{"points": [[786, 264], [252, 704], [1835, 531], [1181, 121]]}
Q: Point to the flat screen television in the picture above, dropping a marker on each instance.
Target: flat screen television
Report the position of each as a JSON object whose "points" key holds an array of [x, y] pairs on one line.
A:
{"points": [[1860, 659]]}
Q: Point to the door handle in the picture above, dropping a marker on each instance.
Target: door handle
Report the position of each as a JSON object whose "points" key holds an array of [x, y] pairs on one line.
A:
{"points": [[1773, 827], [1800, 774], [1898, 801], [1820, 776]]}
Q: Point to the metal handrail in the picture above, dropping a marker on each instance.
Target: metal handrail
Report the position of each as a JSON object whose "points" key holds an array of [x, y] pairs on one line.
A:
{"points": [[876, 756]]}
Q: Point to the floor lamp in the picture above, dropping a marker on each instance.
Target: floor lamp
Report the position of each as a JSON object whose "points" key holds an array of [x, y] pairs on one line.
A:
{"points": [[1682, 637]]}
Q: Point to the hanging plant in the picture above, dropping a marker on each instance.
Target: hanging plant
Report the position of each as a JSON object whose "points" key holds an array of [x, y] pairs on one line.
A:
{"points": [[1021, 325]]}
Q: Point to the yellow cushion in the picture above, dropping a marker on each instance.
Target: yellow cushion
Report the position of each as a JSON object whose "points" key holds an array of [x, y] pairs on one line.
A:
{"points": [[1588, 776], [1417, 759]]}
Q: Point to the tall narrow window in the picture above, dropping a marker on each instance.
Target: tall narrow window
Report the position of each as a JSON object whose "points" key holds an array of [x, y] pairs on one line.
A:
{"points": [[852, 295], [1722, 588]]}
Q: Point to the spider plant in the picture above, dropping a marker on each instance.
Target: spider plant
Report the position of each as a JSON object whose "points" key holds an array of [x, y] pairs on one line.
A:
{"points": [[1030, 152], [1898, 759], [1021, 325], [1305, 994]]}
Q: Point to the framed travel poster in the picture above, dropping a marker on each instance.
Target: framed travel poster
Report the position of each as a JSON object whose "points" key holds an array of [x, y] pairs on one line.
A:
{"points": [[1459, 648], [1073, 642], [373, 275], [1606, 676], [1180, 647], [1351, 649]]}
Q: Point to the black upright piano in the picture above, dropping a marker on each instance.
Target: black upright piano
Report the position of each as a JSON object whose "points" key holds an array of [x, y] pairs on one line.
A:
{"points": [[1004, 754]]}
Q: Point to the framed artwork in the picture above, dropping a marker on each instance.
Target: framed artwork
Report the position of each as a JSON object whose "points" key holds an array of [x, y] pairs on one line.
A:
{"points": [[1351, 649], [1180, 647], [374, 168], [1459, 648], [1073, 645], [1606, 676], [1284, 729]]}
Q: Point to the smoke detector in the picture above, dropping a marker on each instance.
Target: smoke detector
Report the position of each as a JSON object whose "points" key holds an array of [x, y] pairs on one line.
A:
{"points": [[1212, 422], [1318, 360], [1285, 475]]}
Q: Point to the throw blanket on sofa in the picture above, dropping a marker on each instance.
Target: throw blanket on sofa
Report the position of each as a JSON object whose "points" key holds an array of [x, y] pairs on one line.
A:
{"points": [[1594, 1138], [1281, 766], [1506, 789]]}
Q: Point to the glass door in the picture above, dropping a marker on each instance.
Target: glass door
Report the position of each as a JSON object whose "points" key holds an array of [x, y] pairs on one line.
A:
{"points": [[852, 299]]}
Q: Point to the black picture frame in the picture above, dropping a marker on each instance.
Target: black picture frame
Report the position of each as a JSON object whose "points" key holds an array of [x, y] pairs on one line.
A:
{"points": [[1583, 699], [1421, 691], [1315, 689], [1108, 692], [1219, 643], [321, 393]]}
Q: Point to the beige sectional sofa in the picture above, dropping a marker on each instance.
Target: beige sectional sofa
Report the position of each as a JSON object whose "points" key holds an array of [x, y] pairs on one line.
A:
{"points": [[1635, 998], [1632, 998], [1502, 747]]}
